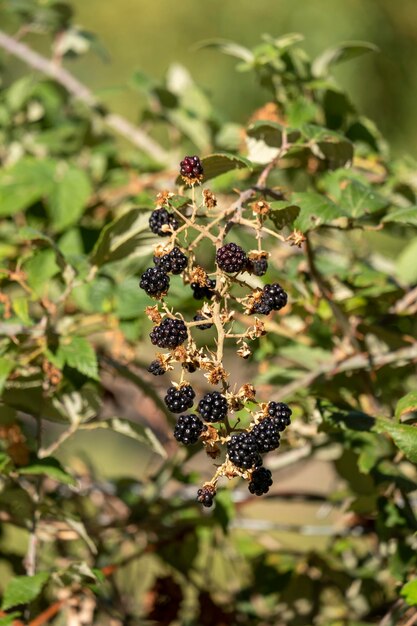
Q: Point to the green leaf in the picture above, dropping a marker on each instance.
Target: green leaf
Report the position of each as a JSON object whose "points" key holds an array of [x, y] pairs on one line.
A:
{"points": [[4, 460], [69, 196], [227, 47], [23, 589], [50, 467], [406, 215], [406, 266], [78, 353], [217, 164], [6, 366], [358, 200], [339, 54], [405, 437], [130, 429], [40, 268], [25, 183], [283, 214], [127, 236], [8, 620], [315, 210], [409, 592], [407, 404], [264, 139]]}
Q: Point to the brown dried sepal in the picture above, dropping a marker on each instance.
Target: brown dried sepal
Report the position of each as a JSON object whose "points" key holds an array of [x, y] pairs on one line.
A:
{"points": [[297, 238], [208, 488], [244, 351], [52, 373], [153, 314], [163, 197], [261, 207], [165, 361], [192, 180], [5, 301], [247, 392], [161, 249], [216, 374], [257, 330], [210, 200], [199, 276], [256, 255], [250, 301], [15, 442], [229, 470]]}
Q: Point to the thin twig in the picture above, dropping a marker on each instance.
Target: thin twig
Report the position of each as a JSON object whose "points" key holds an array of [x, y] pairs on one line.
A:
{"points": [[62, 76]]}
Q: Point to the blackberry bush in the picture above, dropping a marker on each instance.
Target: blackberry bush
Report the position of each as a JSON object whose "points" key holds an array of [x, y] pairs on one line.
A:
{"points": [[231, 258]]}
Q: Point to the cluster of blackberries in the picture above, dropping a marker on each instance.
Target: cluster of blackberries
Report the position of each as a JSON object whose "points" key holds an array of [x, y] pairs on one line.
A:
{"points": [[272, 298], [180, 399], [245, 449], [156, 368], [191, 169], [155, 280], [188, 429], [257, 267]]}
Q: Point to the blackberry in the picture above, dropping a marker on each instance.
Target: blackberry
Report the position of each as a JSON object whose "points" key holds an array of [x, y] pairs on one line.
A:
{"points": [[180, 399], [156, 368], [243, 451], [175, 261], [206, 495], [213, 407], [266, 434], [199, 292], [170, 333], [261, 481], [159, 218], [280, 413], [191, 167], [258, 267], [273, 298], [188, 429], [231, 258], [155, 282], [200, 317]]}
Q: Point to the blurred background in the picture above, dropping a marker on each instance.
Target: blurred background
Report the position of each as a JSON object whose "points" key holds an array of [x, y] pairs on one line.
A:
{"points": [[149, 36]]}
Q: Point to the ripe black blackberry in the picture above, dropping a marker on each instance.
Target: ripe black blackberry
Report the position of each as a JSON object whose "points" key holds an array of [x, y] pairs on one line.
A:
{"points": [[155, 282], [170, 333], [200, 293], [273, 298], [160, 218], [260, 482], [231, 258], [156, 368], [175, 261], [266, 434], [243, 451], [280, 413], [200, 317], [213, 407], [188, 429], [179, 399], [191, 168], [205, 495], [258, 267]]}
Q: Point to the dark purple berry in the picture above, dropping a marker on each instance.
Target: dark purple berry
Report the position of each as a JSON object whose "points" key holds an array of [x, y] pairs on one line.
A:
{"points": [[266, 434], [243, 451], [155, 282], [205, 496], [175, 261], [156, 368], [213, 407], [160, 218], [205, 292], [200, 317], [273, 298], [170, 333], [280, 413], [231, 258], [258, 267], [188, 429], [261, 480], [179, 399], [191, 167]]}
